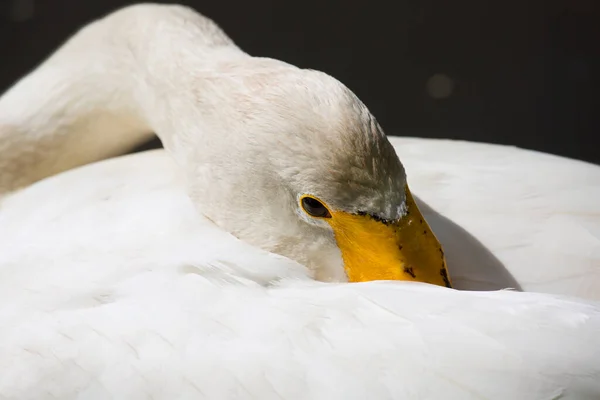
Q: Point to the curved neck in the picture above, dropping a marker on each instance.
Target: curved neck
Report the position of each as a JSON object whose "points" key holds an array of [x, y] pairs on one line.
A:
{"points": [[108, 89]]}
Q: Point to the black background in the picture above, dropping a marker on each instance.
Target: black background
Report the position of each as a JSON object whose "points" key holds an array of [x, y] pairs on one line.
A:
{"points": [[523, 73]]}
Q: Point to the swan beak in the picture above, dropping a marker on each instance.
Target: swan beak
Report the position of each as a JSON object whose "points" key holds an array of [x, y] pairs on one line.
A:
{"points": [[375, 249]]}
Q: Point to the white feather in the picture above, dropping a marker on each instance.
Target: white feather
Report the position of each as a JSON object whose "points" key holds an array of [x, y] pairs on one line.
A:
{"points": [[509, 217], [112, 285], [119, 289]]}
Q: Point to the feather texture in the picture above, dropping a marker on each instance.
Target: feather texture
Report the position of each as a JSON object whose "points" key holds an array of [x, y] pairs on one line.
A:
{"points": [[509, 217], [117, 288]]}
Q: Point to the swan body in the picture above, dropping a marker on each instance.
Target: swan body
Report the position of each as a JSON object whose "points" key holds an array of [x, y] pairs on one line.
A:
{"points": [[122, 279], [120, 289]]}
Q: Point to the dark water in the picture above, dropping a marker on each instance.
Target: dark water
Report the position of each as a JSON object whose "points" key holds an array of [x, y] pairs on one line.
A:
{"points": [[523, 73]]}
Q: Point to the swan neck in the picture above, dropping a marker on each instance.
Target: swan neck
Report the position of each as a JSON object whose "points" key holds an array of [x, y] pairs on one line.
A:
{"points": [[107, 89]]}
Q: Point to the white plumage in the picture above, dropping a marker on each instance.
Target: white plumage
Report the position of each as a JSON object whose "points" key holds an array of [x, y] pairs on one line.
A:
{"points": [[113, 285], [119, 289], [538, 215]]}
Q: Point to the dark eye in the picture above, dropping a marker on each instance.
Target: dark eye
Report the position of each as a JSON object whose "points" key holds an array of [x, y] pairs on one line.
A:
{"points": [[315, 208]]}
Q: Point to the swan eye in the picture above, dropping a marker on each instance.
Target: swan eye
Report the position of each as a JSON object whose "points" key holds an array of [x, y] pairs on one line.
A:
{"points": [[314, 207]]}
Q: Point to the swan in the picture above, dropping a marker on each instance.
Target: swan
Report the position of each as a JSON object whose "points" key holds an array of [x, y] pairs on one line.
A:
{"points": [[214, 269]]}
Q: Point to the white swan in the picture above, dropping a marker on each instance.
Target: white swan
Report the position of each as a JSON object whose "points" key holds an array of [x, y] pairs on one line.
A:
{"points": [[114, 286]]}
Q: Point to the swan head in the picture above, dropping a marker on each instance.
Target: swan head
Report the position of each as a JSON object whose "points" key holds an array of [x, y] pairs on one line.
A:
{"points": [[301, 168]]}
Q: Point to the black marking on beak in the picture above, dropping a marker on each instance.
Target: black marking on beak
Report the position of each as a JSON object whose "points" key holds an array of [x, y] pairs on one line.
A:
{"points": [[375, 217], [444, 275]]}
